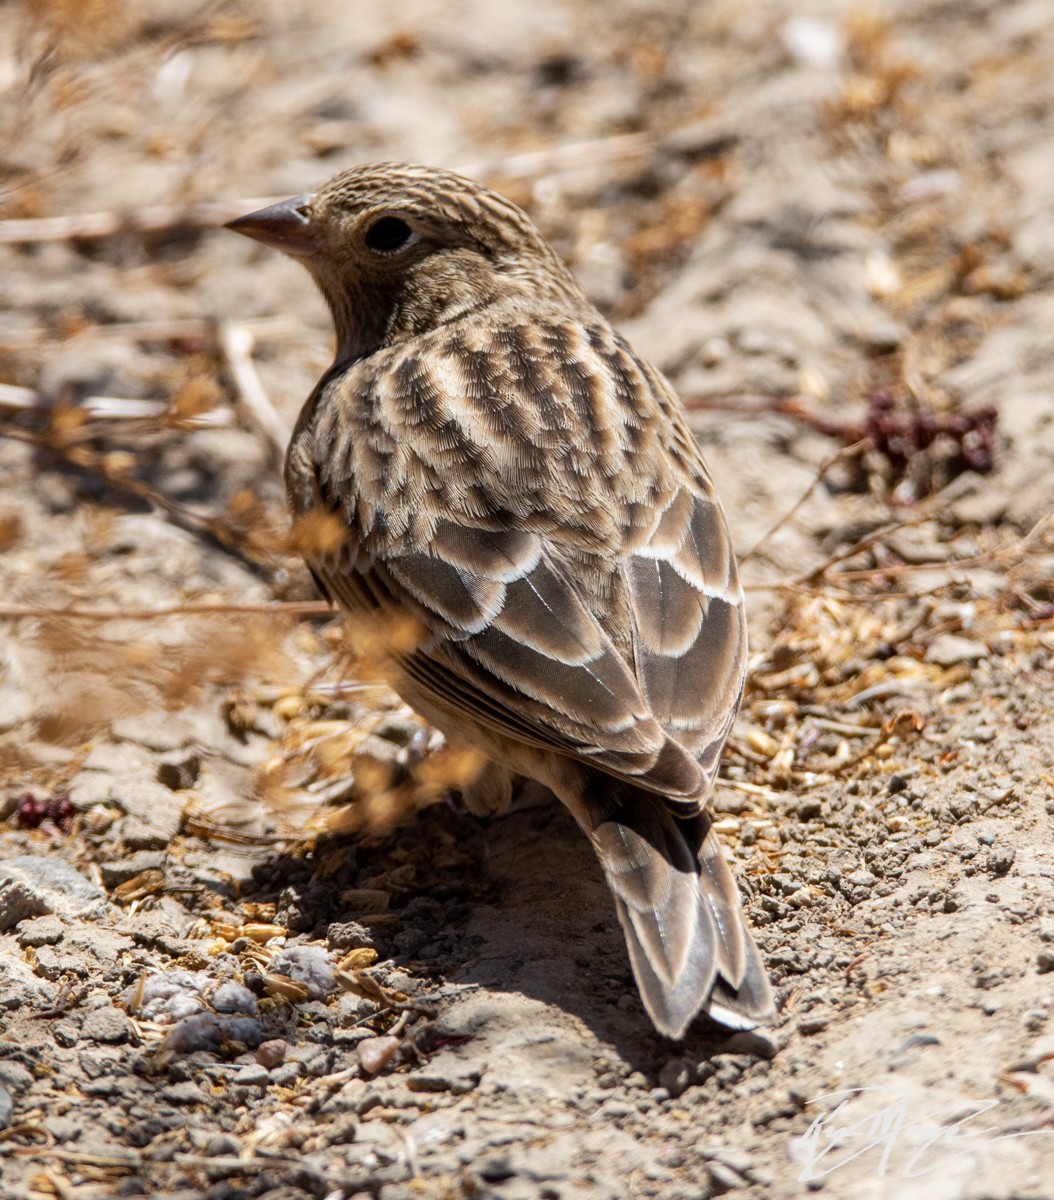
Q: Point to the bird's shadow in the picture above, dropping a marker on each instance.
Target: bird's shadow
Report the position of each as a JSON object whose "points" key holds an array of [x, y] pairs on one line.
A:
{"points": [[550, 933], [526, 911]]}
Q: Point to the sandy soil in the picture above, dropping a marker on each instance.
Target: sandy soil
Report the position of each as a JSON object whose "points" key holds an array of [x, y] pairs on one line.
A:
{"points": [[826, 224]]}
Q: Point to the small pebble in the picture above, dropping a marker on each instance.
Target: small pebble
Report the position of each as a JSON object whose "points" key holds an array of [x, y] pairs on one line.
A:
{"points": [[350, 935], [350, 1037], [948, 650], [737, 1160], [428, 1083], [271, 1054], [31, 886], [251, 1076], [120, 870], [368, 1101], [811, 1024], [999, 860], [861, 879], [287, 1074], [63, 1129], [677, 1076], [352, 1008], [40, 931], [179, 769], [7, 1107], [138, 834], [183, 1093], [65, 1033], [496, 1170], [106, 1024], [723, 1178], [376, 1052], [222, 1145], [20, 985], [15, 1077], [343, 1130]]}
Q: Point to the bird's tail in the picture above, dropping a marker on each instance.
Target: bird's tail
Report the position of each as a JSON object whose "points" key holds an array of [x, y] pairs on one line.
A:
{"points": [[680, 911]]}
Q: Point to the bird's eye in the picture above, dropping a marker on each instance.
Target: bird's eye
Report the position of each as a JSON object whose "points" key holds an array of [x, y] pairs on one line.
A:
{"points": [[388, 235]]}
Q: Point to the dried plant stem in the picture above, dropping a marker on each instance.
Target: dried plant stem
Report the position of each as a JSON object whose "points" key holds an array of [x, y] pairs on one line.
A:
{"points": [[751, 789], [853, 451], [1001, 554], [596, 151], [218, 529], [159, 218], [865, 543], [694, 141], [105, 408], [843, 596], [292, 608], [237, 344], [188, 329]]}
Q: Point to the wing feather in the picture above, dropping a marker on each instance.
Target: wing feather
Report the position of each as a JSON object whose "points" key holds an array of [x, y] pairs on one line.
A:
{"points": [[605, 622]]}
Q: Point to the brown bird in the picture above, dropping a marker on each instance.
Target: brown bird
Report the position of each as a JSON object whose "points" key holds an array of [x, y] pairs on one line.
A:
{"points": [[512, 476]]}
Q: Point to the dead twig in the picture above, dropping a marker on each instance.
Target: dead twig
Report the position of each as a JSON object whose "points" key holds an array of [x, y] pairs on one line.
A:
{"points": [[693, 142], [295, 608], [865, 543], [252, 544], [106, 408], [69, 997], [901, 725], [187, 329], [596, 151], [1001, 554], [158, 218], [121, 480], [237, 344], [853, 451]]}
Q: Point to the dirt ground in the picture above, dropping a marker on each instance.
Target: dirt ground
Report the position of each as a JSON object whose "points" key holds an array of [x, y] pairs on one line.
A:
{"points": [[250, 943]]}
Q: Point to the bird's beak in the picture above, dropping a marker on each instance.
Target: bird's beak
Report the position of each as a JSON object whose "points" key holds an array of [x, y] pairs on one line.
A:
{"points": [[286, 226]]}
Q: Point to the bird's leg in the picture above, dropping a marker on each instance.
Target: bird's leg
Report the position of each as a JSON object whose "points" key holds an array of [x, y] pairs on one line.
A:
{"points": [[490, 793]]}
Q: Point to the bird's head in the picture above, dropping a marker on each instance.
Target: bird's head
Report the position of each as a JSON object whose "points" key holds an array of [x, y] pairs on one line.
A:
{"points": [[398, 250]]}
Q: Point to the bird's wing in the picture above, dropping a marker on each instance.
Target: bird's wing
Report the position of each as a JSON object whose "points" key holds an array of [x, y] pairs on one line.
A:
{"points": [[689, 624], [630, 659], [507, 640]]}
